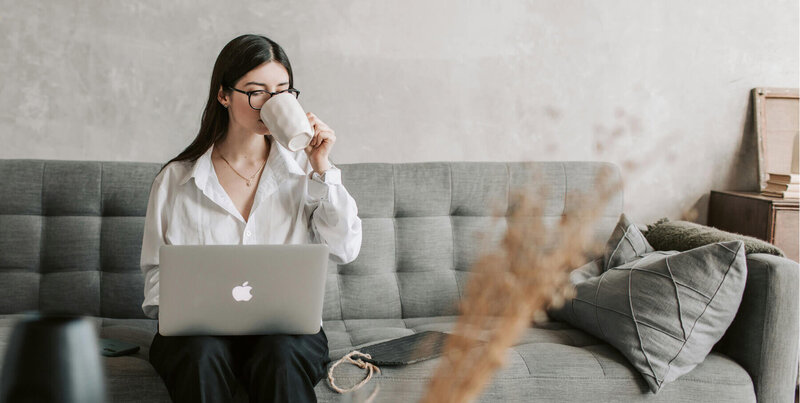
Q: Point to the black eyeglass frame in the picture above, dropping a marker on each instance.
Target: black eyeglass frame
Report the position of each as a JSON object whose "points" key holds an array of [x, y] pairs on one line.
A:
{"points": [[250, 93]]}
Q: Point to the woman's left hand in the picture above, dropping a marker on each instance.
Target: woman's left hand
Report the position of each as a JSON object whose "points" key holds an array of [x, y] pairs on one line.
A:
{"points": [[321, 144]]}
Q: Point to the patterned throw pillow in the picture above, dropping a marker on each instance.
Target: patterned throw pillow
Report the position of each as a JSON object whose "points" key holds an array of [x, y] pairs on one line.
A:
{"points": [[625, 244], [663, 310]]}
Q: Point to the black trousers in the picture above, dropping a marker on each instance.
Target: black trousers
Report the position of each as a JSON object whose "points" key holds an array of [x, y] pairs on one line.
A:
{"points": [[274, 368]]}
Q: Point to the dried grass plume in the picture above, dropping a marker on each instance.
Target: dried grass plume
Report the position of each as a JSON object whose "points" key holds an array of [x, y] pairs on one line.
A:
{"points": [[511, 286]]}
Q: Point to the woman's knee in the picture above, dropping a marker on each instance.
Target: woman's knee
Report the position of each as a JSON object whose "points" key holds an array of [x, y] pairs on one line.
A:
{"points": [[195, 366], [192, 349], [278, 348], [286, 354], [205, 348]]}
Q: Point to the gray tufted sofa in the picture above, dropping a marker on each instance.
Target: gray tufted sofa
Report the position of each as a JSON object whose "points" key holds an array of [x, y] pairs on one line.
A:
{"points": [[70, 238]]}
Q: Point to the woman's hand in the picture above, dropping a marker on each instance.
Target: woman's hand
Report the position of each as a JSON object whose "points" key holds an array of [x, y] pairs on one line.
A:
{"points": [[321, 144]]}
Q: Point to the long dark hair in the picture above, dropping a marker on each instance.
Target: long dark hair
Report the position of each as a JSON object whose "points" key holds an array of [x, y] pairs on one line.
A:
{"points": [[238, 57]]}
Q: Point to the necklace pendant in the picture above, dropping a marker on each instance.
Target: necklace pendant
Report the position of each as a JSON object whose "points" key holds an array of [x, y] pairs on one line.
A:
{"points": [[248, 183]]}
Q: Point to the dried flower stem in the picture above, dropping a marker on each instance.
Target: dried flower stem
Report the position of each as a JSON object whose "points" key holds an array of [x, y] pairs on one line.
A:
{"points": [[510, 286]]}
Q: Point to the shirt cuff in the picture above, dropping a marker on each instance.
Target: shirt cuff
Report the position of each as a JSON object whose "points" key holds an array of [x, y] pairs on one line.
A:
{"points": [[319, 186]]}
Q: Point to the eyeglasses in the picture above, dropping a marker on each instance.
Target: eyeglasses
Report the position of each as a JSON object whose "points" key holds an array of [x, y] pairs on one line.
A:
{"points": [[257, 98]]}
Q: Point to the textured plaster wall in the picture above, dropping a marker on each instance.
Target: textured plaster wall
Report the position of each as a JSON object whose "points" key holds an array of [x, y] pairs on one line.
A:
{"points": [[659, 87]]}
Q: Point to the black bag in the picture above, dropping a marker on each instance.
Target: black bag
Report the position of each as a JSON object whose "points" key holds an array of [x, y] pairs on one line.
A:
{"points": [[407, 349]]}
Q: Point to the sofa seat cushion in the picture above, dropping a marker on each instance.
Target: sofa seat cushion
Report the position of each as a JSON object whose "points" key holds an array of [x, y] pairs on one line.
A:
{"points": [[552, 361]]}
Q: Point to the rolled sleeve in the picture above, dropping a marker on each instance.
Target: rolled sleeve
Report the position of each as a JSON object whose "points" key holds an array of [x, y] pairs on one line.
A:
{"points": [[319, 186], [333, 215]]}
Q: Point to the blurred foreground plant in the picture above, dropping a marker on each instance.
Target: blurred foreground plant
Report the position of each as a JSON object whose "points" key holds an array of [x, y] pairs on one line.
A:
{"points": [[511, 286]]}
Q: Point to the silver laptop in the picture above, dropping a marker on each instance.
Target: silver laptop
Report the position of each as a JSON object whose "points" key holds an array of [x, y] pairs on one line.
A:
{"points": [[241, 289]]}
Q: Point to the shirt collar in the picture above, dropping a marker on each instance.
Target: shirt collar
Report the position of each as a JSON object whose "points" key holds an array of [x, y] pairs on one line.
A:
{"points": [[281, 164]]}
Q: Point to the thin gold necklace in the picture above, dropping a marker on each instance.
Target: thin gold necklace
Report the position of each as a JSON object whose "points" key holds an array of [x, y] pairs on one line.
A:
{"points": [[237, 172]]}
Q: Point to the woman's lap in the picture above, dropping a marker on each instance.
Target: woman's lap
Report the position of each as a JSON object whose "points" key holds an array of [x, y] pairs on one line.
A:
{"points": [[244, 354]]}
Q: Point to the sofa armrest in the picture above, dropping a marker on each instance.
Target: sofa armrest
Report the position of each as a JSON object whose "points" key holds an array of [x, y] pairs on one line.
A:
{"points": [[763, 337]]}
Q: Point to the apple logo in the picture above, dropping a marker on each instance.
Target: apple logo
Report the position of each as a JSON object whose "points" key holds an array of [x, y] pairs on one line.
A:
{"points": [[242, 292]]}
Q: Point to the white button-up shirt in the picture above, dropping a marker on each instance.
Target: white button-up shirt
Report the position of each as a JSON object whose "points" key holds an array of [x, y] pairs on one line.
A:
{"points": [[292, 205]]}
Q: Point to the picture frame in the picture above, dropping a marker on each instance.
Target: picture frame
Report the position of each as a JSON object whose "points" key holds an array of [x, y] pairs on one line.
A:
{"points": [[776, 121]]}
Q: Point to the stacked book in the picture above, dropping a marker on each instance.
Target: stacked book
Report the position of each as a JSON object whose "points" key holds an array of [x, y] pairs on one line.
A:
{"points": [[782, 185]]}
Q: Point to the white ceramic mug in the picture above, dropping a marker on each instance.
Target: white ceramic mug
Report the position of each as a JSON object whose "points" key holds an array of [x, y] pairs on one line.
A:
{"points": [[287, 121]]}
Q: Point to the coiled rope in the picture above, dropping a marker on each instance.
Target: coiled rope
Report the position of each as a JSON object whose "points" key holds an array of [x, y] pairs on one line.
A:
{"points": [[370, 367]]}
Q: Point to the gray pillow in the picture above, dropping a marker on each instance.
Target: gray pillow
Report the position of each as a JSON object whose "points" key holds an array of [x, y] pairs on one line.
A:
{"points": [[625, 244], [587, 271], [663, 310], [684, 235]]}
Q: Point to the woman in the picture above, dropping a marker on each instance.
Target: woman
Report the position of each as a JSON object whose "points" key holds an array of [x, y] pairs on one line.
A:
{"points": [[234, 184]]}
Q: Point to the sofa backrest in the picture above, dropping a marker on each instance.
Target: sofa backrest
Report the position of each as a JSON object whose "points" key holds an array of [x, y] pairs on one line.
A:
{"points": [[71, 232]]}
